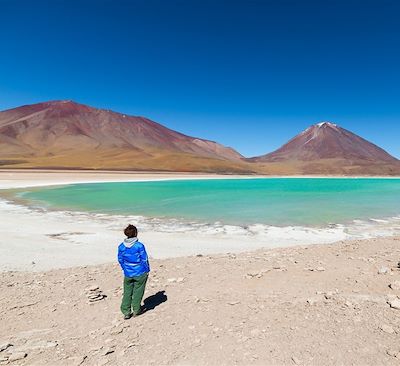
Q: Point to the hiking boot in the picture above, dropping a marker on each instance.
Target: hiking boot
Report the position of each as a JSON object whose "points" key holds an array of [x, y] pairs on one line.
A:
{"points": [[128, 316]]}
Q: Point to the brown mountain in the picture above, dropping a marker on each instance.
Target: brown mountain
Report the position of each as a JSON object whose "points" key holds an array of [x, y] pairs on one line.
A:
{"points": [[65, 134], [326, 148]]}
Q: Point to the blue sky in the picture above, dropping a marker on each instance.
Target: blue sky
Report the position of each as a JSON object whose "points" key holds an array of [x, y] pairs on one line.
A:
{"points": [[249, 74]]}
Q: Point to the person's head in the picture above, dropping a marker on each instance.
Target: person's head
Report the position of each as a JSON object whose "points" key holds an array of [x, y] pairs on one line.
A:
{"points": [[130, 231]]}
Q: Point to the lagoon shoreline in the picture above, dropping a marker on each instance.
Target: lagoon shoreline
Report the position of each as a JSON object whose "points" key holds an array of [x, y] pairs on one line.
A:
{"points": [[52, 239]]}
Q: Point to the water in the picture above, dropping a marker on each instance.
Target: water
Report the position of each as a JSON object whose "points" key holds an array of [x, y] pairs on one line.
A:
{"points": [[279, 202]]}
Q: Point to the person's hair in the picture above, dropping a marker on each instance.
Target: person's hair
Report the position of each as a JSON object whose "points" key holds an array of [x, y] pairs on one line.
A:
{"points": [[130, 231]]}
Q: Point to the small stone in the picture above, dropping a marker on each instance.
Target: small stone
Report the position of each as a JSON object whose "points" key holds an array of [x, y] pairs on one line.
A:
{"points": [[320, 269], [4, 346], [180, 279], [252, 274], [295, 360], [384, 270], [93, 288], [17, 356], [395, 285], [117, 331], [328, 295], [386, 328], [3, 359], [233, 302], [197, 342], [348, 304], [81, 360], [106, 351], [391, 352], [171, 280], [395, 304], [311, 301], [50, 344]]}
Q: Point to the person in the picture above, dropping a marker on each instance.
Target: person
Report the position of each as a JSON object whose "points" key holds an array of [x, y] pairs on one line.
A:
{"points": [[134, 262]]}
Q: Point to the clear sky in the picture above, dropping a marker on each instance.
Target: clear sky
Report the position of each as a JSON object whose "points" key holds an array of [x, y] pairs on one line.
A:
{"points": [[249, 74]]}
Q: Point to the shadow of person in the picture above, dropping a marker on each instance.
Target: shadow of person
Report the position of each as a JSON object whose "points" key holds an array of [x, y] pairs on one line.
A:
{"points": [[153, 301]]}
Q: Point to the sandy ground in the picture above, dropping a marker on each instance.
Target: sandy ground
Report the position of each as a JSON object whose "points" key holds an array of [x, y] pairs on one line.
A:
{"points": [[331, 304], [316, 305]]}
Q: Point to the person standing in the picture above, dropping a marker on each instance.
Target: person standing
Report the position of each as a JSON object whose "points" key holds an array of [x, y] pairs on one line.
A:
{"points": [[134, 262]]}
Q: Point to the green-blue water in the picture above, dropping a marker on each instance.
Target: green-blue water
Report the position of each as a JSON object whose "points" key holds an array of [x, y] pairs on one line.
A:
{"points": [[278, 202]]}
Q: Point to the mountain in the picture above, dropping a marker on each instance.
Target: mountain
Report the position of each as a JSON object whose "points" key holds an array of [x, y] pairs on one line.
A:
{"points": [[326, 148], [65, 134]]}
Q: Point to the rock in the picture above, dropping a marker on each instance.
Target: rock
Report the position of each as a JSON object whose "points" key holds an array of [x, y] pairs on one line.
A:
{"points": [[391, 352], [117, 331], [384, 270], [311, 301], [233, 302], [180, 279], [80, 360], [17, 356], [4, 346], [252, 274], [395, 304], [93, 288], [329, 294], [395, 285], [386, 328], [295, 360], [106, 351], [94, 294], [279, 268], [171, 280], [317, 269], [3, 359], [197, 342], [348, 304]]}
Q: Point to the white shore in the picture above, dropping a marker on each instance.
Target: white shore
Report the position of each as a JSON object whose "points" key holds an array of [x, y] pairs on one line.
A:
{"points": [[36, 240]]}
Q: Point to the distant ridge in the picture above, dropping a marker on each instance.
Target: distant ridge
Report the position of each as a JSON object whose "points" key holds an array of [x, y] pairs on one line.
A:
{"points": [[63, 134]]}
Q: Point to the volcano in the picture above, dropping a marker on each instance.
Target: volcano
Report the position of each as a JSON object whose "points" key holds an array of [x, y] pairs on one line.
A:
{"points": [[326, 148]]}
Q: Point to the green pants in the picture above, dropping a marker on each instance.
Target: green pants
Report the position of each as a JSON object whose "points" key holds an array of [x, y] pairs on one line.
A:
{"points": [[133, 294]]}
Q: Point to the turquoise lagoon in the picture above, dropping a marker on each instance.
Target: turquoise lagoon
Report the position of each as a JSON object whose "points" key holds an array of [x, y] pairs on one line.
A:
{"points": [[280, 202]]}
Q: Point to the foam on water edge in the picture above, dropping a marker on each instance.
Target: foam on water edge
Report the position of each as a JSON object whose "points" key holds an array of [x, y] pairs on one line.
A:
{"points": [[268, 236]]}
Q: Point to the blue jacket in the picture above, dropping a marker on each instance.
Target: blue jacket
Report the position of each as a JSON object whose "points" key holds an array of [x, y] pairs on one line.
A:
{"points": [[133, 258]]}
